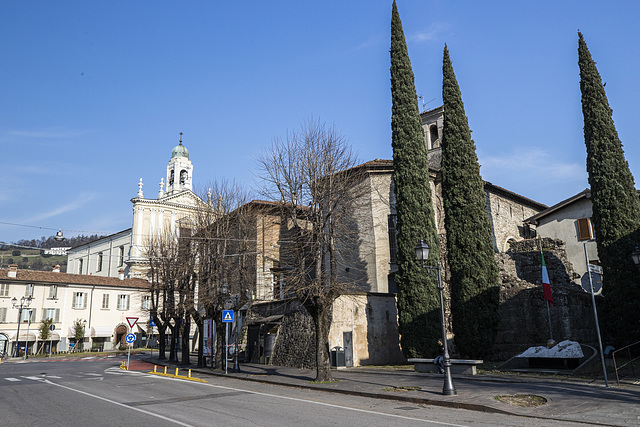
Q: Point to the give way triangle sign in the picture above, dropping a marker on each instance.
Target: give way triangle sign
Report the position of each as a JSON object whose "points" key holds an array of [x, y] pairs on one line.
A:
{"points": [[132, 321]]}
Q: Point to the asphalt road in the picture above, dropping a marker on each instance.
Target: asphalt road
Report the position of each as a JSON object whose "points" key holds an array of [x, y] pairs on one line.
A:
{"points": [[98, 393]]}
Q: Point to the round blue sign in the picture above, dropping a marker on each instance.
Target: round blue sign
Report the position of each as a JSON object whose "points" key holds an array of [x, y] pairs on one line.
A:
{"points": [[130, 338]]}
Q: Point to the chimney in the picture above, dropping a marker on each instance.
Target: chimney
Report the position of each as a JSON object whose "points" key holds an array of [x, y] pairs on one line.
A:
{"points": [[13, 271], [56, 268], [121, 274]]}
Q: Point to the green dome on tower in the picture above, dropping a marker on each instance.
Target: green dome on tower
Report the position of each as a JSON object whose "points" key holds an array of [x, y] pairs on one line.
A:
{"points": [[180, 151]]}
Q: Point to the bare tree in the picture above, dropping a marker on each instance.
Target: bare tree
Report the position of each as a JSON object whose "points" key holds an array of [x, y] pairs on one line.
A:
{"points": [[312, 172], [221, 248]]}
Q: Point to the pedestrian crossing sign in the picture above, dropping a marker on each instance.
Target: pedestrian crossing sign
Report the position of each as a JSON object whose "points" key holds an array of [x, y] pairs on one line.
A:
{"points": [[227, 316]]}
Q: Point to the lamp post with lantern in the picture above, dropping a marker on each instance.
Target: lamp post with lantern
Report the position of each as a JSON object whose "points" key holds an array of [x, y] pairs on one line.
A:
{"points": [[24, 303], [422, 254]]}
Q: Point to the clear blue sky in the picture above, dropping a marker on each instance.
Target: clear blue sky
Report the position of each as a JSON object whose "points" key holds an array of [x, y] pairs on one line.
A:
{"points": [[94, 94]]}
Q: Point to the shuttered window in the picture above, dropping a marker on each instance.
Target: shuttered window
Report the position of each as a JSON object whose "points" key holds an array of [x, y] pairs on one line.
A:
{"points": [[585, 231]]}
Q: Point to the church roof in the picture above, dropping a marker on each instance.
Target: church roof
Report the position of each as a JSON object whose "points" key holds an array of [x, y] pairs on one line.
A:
{"points": [[180, 151]]}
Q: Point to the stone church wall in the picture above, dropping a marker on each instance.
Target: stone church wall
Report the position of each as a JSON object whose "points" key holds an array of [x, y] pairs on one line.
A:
{"points": [[523, 313]]}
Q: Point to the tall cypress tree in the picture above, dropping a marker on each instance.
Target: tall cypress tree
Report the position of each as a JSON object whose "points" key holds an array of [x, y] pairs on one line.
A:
{"points": [[475, 287], [417, 292], [616, 215]]}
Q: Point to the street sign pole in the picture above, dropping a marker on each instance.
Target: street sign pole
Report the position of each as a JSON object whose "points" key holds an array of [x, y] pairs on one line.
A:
{"points": [[595, 315], [227, 318]]}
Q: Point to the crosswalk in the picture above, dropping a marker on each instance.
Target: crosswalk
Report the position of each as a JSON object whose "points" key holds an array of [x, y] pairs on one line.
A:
{"points": [[88, 375], [78, 375]]}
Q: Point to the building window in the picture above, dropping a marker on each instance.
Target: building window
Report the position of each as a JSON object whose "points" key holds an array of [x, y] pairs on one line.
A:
{"points": [[123, 302], [121, 257], [27, 315], [29, 290], [99, 267], [585, 230], [80, 266], [51, 313], [105, 301], [3, 314], [433, 134], [4, 289], [146, 302], [393, 241], [53, 291], [79, 300]]}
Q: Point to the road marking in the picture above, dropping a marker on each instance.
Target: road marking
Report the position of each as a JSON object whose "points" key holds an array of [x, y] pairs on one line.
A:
{"points": [[33, 378], [13, 379], [119, 404], [94, 374], [331, 405]]}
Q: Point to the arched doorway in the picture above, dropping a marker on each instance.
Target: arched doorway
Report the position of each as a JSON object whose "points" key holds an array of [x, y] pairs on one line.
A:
{"points": [[121, 332]]}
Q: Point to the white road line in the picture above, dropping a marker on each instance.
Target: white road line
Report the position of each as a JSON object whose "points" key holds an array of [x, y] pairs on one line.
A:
{"points": [[13, 379], [33, 378], [331, 405], [94, 374], [120, 404]]}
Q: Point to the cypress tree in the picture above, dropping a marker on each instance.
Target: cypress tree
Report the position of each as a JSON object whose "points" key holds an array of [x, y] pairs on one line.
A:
{"points": [[616, 215], [418, 303], [474, 273]]}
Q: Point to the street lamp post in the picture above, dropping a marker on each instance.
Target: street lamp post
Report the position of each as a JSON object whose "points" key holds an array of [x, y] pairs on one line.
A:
{"points": [[24, 303], [84, 332], [236, 319], [422, 254]]}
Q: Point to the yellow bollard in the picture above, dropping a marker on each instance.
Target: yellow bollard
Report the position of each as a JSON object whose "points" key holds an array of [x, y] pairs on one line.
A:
{"points": [[155, 369], [165, 370], [176, 372], [189, 373]]}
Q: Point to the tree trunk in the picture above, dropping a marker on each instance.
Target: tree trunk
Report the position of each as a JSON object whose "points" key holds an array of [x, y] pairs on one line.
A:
{"points": [[320, 315], [186, 329], [162, 346]]}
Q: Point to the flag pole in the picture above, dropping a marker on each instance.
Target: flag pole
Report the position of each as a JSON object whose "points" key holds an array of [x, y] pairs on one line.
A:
{"points": [[549, 316], [546, 287]]}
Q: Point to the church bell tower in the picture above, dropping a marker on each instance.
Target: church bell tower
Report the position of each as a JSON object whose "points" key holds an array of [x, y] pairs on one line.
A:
{"points": [[179, 170]]}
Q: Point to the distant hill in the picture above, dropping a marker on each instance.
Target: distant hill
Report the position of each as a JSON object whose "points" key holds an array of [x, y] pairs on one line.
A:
{"points": [[36, 259], [51, 242]]}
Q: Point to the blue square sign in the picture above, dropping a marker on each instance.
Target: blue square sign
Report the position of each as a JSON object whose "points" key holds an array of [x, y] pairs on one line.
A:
{"points": [[227, 316]]}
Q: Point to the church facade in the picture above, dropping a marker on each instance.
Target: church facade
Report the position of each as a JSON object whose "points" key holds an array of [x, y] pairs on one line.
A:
{"points": [[171, 212]]}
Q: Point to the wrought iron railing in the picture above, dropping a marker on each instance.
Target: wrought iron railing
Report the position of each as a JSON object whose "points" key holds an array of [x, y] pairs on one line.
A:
{"points": [[629, 350]]}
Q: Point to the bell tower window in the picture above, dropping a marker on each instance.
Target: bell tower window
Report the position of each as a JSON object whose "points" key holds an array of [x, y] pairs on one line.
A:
{"points": [[433, 134]]}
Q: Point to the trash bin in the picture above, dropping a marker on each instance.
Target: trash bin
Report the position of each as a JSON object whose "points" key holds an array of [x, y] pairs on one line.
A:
{"points": [[337, 357]]}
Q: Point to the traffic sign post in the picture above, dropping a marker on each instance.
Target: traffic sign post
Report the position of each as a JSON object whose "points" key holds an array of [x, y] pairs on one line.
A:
{"points": [[593, 270], [130, 338], [227, 317]]}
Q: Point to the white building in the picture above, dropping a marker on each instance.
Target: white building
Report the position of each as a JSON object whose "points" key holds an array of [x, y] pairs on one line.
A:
{"points": [[170, 212], [101, 304]]}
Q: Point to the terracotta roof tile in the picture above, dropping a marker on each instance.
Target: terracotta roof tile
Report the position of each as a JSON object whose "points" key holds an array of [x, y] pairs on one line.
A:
{"points": [[72, 279]]}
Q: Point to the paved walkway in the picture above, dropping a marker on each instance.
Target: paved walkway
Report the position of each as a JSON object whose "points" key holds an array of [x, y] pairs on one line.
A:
{"points": [[567, 399]]}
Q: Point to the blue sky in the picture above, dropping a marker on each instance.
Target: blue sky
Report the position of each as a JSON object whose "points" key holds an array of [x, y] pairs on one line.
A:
{"points": [[94, 94]]}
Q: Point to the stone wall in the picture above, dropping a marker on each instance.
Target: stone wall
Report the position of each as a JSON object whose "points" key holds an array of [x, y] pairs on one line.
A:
{"points": [[523, 314]]}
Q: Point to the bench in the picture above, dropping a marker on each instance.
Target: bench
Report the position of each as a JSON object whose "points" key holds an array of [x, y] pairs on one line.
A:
{"points": [[458, 366]]}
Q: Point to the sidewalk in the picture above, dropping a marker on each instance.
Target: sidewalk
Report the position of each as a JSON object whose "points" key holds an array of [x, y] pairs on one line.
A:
{"points": [[567, 399]]}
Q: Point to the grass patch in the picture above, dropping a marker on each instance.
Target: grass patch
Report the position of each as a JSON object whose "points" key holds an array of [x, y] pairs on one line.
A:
{"points": [[402, 388], [522, 400]]}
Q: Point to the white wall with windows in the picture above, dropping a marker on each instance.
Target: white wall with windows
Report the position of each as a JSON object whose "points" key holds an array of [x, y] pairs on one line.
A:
{"points": [[104, 257], [100, 304]]}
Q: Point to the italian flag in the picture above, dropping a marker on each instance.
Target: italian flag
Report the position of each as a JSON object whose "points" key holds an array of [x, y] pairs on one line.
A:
{"points": [[546, 286]]}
